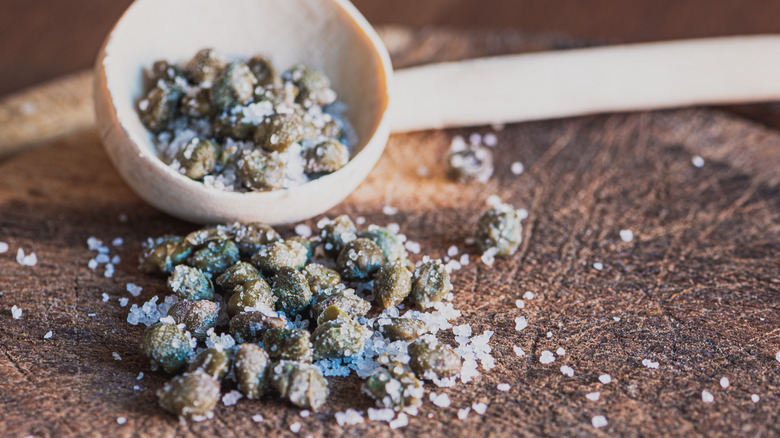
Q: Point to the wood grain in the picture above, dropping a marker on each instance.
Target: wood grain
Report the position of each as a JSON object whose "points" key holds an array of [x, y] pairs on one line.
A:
{"points": [[696, 290]]}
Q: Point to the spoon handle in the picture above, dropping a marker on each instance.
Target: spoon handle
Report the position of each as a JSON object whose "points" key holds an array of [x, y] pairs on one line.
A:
{"points": [[576, 82]]}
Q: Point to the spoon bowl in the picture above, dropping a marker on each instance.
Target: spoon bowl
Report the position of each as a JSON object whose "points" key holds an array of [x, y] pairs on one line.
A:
{"points": [[330, 36]]}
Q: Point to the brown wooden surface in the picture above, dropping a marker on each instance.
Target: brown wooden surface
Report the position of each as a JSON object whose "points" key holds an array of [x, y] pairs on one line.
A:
{"points": [[696, 290]]}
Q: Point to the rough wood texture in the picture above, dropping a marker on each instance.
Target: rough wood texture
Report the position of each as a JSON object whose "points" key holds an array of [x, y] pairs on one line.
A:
{"points": [[695, 291]]}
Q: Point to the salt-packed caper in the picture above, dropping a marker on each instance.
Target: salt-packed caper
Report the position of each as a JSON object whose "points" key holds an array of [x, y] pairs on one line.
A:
{"points": [[234, 85], [160, 106], [431, 359], [388, 241], [336, 233], [161, 255], [320, 278], [253, 236], [300, 383], [215, 257], [252, 294], [165, 346], [197, 316], [190, 283], [359, 259], [337, 335], [395, 387], [288, 344], [430, 284], [345, 299], [281, 254], [292, 291], [500, 230], [393, 283], [251, 369], [204, 66], [237, 274], [403, 329], [214, 362], [250, 326], [192, 395], [326, 157], [264, 71], [261, 171], [472, 163], [277, 132]]}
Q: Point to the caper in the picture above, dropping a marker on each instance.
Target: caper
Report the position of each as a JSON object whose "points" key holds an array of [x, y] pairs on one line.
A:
{"points": [[237, 274], [500, 229], [307, 244], [326, 157], [163, 254], [281, 254], [392, 284], [204, 66], [292, 291], [280, 96], [196, 102], [203, 236], [160, 106], [264, 71], [389, 241], [234, 85], [300, 383], [337, 335], [336, 233], [197, 316], [332, 129], [250, 326], [165, 346], [320, 278], [216, 363], [253, 236], [234, 125], [251, 368], [261, 171], [197, 158], [430, 284], [472, 163], [162, 70], [277, 132], [192, 395], [190, 283], [215, 257], [431, 359], [252, 294], [395, 387], [288, 344], [346, 300], [314, 86], [359, 259], [403, 329]]}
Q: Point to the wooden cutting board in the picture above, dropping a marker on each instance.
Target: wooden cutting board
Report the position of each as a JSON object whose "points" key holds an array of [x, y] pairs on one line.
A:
{"points": [[697, 290]]}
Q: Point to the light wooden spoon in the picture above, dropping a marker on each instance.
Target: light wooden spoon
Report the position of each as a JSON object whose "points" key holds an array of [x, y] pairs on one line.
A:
{"points": [[331, 35]]}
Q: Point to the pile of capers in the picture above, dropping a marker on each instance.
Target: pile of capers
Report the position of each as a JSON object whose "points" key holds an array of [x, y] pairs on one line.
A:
{"points": [[239, 120], [284, 311]]}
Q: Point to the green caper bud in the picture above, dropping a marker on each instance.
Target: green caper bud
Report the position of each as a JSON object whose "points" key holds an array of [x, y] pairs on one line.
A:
{"points": [[292, 291], [472, 163], [160, 106], [403, 329], [326, 157], [288, 344], [500, 229], [162, 70], [250, 326], [430, 284], [261, 171], [253, 236], [359, 259], [236, 275], [165, 346], [281, 254], [216, 363], [190, 283], [234, 125], [280, 96], [391, 244], [197, 158], [204, 66], [336, 233], [307, 245], [264, 71], [346, 300], [277, 132], [320, 278], [300, 383], [394, 387], [192, 395], [163, 254], [205, 235], [252, 294], [332, 129], [233, 86], [215, 257], [314, 86], [197, 316], [251, 369], [431, 359], [337, 335], [196, 102], [392, 284]]}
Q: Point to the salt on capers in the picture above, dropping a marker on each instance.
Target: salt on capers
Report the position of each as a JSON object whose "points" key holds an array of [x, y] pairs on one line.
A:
{"points": [[165, 346], [337, 335], [431, 359], [250, 326], [500, 230], [292, 291], [251, 369], [214, 362], [191, 395], [288, 344], [190, 283], [197, 316], [359, 259], [430, 284], [215, 257], [300, 383], [392, 284], [252, 294], [237, 274]]}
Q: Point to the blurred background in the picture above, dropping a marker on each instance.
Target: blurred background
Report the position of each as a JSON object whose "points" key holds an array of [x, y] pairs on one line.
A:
{"points": [[44, 39]]}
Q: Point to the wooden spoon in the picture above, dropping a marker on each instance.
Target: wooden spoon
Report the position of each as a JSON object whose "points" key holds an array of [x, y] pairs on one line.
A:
{"points": [[331, 35]]}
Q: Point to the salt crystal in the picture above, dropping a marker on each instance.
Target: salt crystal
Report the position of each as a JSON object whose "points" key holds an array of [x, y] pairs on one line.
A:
{"points": [[697, 161], [360, 220], [520, 323], [136, 388], [16, 312], [560, 351], [118, 241], [463, 413], [777, 356], [412, 247], [257, 418], [549, 334], [442, 400], [546, 357], [295, 427], [452, 251], [386, 414], [724, 382], [605, 378], [92, 315], [349, 417], [109, 271], [528, 295], [707, 397], [402, 420], [231, 398], [598, 266], [121, 420], [649, 363], [479, 408], [520, 304], [475, 138], [3, 247], [115, 260], [517, 168], [518, 351], [567, 371], [123, 301], [116, 356], [140, 376], [503, 387], [488, 257], [92, 264], [134, 290], [616, 318], [493, 201], [464, 259], [598, 421], [626, 235], [755, 398], [305, 413], [593, 396], [389, 210], [48, 335], [490, 139], [105, 297], [303, 230], [26, 260]]}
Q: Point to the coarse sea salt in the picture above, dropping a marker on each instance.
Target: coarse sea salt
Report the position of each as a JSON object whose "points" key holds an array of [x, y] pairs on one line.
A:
{"points": [[123, 302], [48, 335], [402, 420], [697, 161], [440, 400], [386, 414], [598, 421], [121, 420], [598, 266], [520, 323], [303, 230], [463, 413], [520, 304], [133, 289], [605, 378], [16, 312], [650, 364], [724, 382], [479, 408], [626, 235], [257, 418], [116, 356], [567, 371], [231, 398], [518, 351], [26, 260], [490, 139], [295, 427], [560, 351], [755, 398], [777, 356], [350, 417], [528, 295], [503, 387], [389, 210], [593, 396], [517, 168], [546, 357], [3, 247], [105, 297], [707, 397]]}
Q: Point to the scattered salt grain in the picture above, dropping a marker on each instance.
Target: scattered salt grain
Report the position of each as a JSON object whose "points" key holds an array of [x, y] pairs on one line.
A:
{"points": [[605, 378], [528, 295], [707, 397], [777, 356], [389, 210], [48, 335], [295, 427], [136, 388], [598, 421], [26, 260], [441, 400], [118, 241], [115, 260], [412, 247], [16, 312], [517, 168], [303, 230], [3, 247], [697, 161], [305, 413], [520, 304], [560, 351], [360, 220], [109, 271], [616, 318], [546, 357], [401, 421], [755, 398], [724, 382], [518, 351], [489, 256], [92, 264], [134, 290], [567, 371], [140, 376], [257, 418], [105, 297], [386, 414], [626, 235], [520, 323], [490, 139], [593, 396], [549, 334], [463, 413], [503, 387], [116, 356], [464, 259], [92, 315], [479, 408], [231, 398], [649, 363], [350, 417], [598, 266], [123, 301], [475, 138], [452, 251], [121, 420]]}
